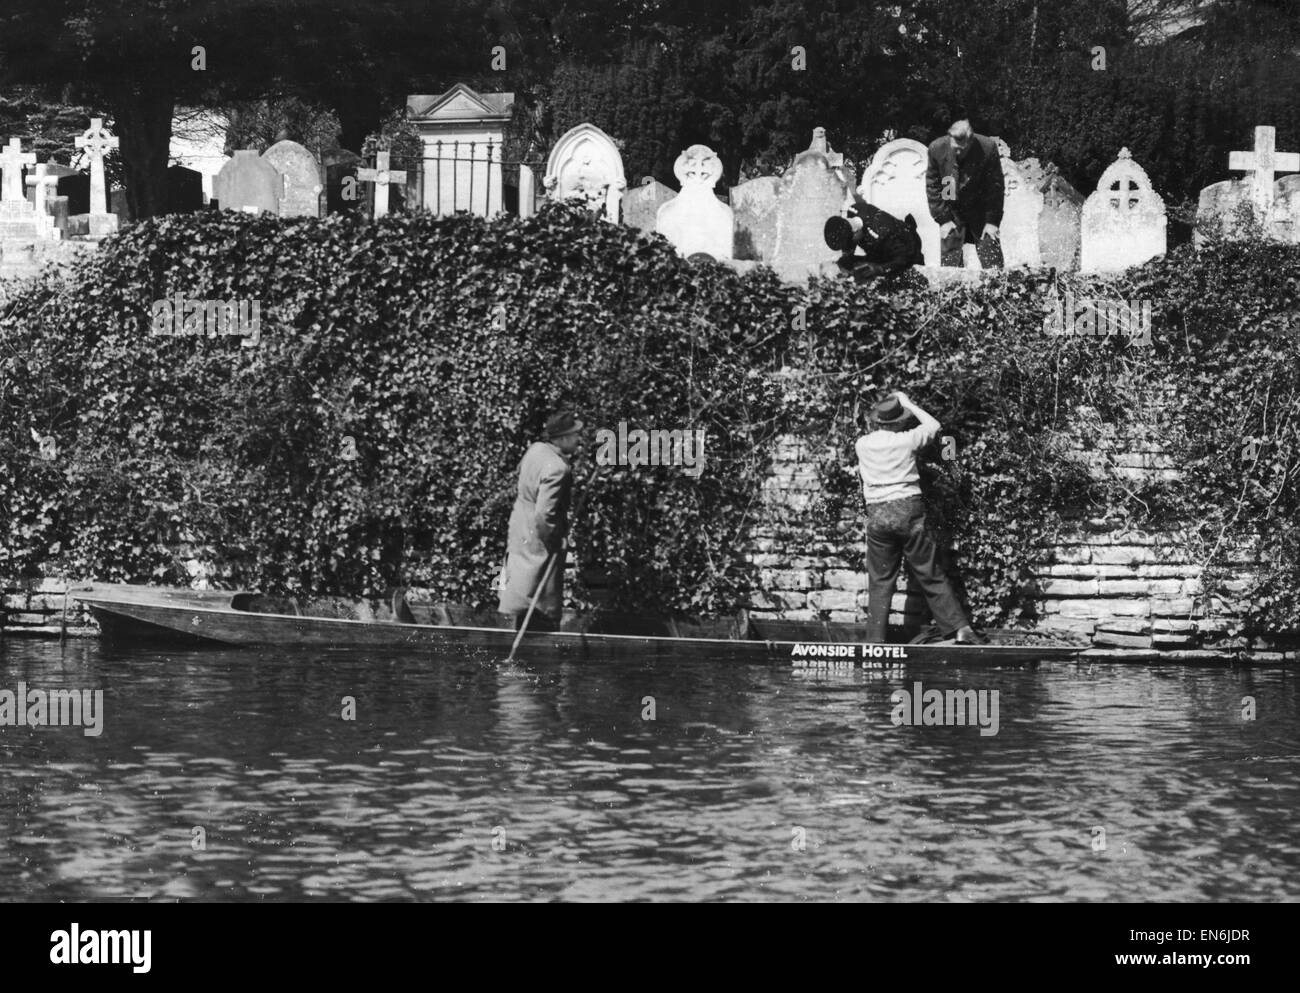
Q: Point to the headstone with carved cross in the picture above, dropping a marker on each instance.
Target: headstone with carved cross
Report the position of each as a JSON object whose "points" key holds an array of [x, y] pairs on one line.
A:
{"points": [[1123, 221], [381, 175], [1262, 163], [12, 160], [97, 142], [18, 226]]}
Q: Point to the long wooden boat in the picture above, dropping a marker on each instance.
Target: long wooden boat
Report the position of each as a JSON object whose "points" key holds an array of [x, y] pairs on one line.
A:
{"points": [[148, 614]]}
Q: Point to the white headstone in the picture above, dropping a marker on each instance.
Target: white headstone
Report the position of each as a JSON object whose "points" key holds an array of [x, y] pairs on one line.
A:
{"points": [[1021, 210], [1123, 222], [97, 142], [1284, 223], [816, 186], [45, 183], [695, 220], [895, 182], [300, 176], [12, 160], [585, 165], [381, 176], [1262, 163]]}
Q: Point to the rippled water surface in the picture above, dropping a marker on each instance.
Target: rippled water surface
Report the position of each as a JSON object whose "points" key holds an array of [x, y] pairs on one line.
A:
{"points": [[233, 775]]}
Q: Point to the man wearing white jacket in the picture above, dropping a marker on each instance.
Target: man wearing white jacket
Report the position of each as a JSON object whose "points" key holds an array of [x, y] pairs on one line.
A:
{"points": [[896, 525]]}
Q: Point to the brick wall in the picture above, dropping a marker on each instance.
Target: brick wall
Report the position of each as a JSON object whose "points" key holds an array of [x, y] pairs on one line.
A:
{"points": [[1115, 587]]}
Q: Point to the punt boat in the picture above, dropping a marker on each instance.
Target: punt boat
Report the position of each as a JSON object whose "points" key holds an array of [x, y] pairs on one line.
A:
{"points": [[136, 614]]}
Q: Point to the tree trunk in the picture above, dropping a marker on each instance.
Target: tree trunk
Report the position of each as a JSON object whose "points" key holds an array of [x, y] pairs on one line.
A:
{"points": [[142, 120]]}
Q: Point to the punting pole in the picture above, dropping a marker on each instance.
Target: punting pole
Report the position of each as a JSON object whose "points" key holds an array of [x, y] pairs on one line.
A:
{"points": [[537, 594]]}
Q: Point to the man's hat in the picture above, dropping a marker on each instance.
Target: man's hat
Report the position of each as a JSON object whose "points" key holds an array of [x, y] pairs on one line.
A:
{"points": [[561, 423], [841, 233], [888, 411]]}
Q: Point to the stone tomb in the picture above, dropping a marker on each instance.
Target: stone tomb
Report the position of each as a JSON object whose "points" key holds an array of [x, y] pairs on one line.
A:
{"points": [[815, 187], [249, 183], [641, 204], [1123, 222], [300, 179], [695, 221], [585, 165], [895, 182]]}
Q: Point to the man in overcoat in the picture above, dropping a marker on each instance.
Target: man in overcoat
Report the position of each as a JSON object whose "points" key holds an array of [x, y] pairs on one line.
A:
{"points": [[539, 523], [963, 182]]}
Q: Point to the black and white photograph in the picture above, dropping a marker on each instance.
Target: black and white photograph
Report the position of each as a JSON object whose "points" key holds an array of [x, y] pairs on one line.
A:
{"points": [[651, 452]]}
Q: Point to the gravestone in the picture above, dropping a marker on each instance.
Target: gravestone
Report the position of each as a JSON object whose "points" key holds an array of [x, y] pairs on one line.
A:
{"points": [[1284, 223], [18, 223], [300, 176], [585, 165], [641, 204], [76, 188], [695, 221], [118, 206], [343, 190], [813, 189], [1022, 209], [98, 142], [41, 188], [1123, 222], [381, 176], [50, 171], [184, 190], [1225, 210], [1247, 207], [1058, 223], [1261, 164], [895, 182], [249, 183], [753, 205]]}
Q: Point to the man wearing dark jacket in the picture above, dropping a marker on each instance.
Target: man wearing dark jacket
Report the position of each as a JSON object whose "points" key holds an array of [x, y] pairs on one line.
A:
{"points": [[889, 246], [965, 190]]}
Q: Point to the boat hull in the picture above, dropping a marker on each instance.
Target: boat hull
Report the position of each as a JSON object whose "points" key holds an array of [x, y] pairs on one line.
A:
{"points": [[132, 614]]}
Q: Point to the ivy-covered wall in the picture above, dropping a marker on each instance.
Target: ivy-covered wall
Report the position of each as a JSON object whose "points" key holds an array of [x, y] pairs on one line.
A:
{"points": [[366, 433]]}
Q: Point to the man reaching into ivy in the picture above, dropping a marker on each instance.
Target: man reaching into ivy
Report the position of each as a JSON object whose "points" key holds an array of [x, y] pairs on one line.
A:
{"points": [[896, 526]]}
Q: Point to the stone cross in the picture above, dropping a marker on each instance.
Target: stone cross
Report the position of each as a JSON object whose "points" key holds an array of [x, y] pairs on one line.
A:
{"points": [[97, 141], [12, 160], [381, 176], [1262, 163]]}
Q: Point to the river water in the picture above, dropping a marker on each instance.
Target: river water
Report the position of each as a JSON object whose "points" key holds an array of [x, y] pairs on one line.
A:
{"points": [[237, 775]]}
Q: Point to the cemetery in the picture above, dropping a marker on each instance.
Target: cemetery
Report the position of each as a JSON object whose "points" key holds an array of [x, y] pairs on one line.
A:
{"points": [[633, 260]]}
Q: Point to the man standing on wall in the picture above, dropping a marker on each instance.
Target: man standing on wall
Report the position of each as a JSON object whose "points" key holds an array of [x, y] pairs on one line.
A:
{"points": [[896, 526], [539, 523], [964, 185]]}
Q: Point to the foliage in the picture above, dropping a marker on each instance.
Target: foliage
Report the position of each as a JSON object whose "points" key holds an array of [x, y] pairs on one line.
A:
{"points": [[436, 347]]}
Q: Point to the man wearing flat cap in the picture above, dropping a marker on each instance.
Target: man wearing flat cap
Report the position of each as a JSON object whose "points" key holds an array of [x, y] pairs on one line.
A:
{"points": [[896, 526], [539, 523]]}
